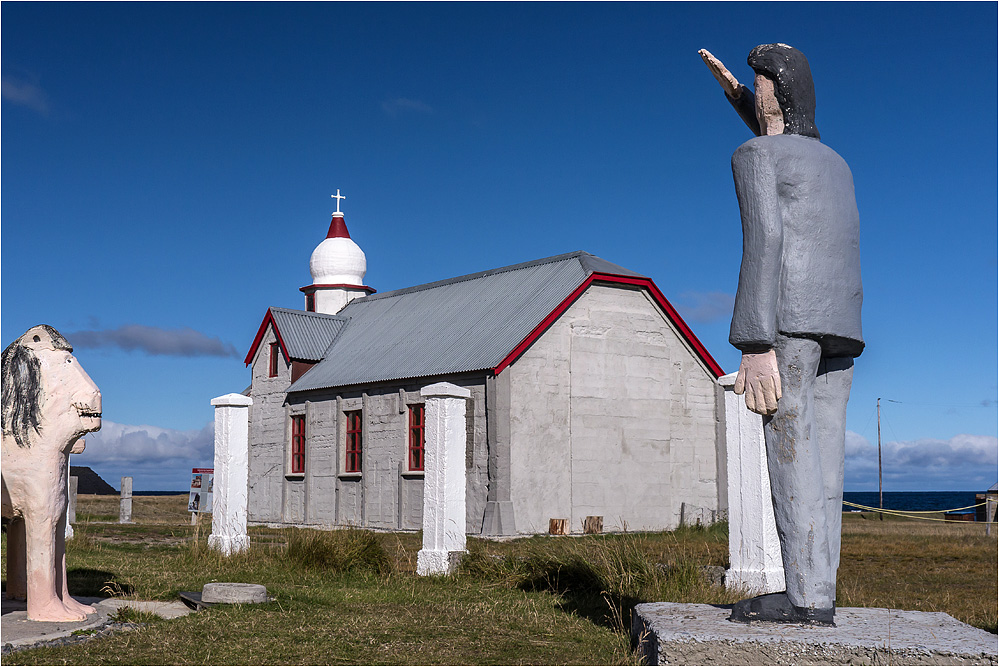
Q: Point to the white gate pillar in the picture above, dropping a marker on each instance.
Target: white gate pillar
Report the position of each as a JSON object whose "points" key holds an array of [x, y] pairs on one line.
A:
{"points": [[229, 495], [753, 546], [443, 479], [125, 503]]}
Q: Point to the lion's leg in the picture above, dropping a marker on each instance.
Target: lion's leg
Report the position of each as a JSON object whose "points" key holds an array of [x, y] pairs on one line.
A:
{"points": [[62, 583], [17, 575], [44, 603]]}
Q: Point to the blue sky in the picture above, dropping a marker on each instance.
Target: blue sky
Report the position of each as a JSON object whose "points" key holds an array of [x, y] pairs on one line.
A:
{"points": [[167, 171]]}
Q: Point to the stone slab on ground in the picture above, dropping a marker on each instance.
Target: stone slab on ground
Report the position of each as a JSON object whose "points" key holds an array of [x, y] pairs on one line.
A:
{"points": [[19, 632], [670, 633]]}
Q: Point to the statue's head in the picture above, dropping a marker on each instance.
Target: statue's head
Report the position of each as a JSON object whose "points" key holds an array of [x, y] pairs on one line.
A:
{"points": [[788, 69], [46, 393]]}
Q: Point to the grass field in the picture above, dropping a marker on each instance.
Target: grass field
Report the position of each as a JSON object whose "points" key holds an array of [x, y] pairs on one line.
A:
{"points": [[352, 596]]}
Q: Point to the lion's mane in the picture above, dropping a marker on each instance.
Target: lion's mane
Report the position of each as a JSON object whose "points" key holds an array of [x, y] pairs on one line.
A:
{"points": [[22, 385]]}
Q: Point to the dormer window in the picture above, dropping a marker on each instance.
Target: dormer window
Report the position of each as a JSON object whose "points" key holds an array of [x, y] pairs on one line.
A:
{"points": [[274, 358]]}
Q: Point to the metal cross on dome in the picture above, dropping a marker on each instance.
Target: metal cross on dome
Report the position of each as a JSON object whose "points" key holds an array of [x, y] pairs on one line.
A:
{"points": [[337, 197]]}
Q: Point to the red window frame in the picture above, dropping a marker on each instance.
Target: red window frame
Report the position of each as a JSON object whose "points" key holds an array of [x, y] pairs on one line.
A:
{"points": [[354, 442], [310, 302], [275, 355], [298, 444], [417, 436]]}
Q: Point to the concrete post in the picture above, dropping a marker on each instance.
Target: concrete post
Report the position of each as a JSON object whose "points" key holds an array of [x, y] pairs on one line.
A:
{"points": [[443, 480], [74, 490], [990, 513], [753, 546], [229, 496], [74, 485], [498, 518], [71, 486], [125, 509]]}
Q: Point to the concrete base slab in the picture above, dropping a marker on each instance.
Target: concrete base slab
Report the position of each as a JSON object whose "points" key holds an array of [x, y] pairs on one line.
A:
{"points": [[669, 633], [233, 593], [19, 632]]}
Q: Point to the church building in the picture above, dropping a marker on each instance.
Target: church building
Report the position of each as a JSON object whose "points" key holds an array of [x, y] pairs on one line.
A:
{"points": [[590, 396]]}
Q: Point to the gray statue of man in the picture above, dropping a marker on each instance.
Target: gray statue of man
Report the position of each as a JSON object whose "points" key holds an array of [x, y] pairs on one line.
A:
{"points": [[796, 320]]}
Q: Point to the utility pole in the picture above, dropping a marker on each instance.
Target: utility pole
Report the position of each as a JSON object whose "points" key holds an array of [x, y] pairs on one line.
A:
{"points": [[881, 498]]}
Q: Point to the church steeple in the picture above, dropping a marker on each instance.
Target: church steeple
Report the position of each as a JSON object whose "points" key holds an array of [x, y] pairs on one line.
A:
{"points": [[338, 266]]}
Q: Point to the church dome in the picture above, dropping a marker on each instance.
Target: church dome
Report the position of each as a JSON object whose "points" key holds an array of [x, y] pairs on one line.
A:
{"points": [[338, 260]]}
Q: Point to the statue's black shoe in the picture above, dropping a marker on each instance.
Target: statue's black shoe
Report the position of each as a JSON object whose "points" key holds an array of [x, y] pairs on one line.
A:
{"points": [[777, 608]]}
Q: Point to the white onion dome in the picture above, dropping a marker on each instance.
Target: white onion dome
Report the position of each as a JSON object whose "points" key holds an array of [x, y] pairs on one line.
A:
{"points": [[338, 260]]}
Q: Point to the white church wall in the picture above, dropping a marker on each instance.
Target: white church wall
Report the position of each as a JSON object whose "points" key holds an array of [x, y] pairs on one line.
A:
{"points": [[614, 379], [386, 494], [540, 462], [267, 427], [321, 455]]}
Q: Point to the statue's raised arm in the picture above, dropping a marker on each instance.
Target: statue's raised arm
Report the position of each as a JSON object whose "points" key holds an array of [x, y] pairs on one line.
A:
{"points": [[741, 97]]}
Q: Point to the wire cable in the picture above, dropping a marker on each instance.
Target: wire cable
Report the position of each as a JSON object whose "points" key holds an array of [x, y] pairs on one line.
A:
{"points": [[878, 509]]}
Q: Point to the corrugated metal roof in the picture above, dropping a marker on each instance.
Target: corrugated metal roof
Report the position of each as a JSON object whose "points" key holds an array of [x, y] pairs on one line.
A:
{"points": [[305, 334], [463, 324]]}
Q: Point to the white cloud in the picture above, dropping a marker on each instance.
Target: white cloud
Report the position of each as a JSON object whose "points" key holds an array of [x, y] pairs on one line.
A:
{"points": [[24, 94], [400, 104], [146, 444], [963, 462], [157, 459]]}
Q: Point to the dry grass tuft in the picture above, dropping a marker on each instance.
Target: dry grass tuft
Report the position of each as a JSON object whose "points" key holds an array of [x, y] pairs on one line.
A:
{"points": [[920, 565]]}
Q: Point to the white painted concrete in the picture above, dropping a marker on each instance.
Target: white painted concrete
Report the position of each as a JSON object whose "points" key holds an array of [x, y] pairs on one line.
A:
{"points": [[72, 484], [125, 506], [611, 415], [331, 300], [444, 479], [753, 546], [229, 497], [338, 261]]}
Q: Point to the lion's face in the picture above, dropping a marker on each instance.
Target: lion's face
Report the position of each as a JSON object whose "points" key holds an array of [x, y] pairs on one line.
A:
{"points": [[70, 399]]}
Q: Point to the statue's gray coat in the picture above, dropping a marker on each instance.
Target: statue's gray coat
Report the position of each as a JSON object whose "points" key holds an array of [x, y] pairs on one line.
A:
{"points": [[800, 272]]}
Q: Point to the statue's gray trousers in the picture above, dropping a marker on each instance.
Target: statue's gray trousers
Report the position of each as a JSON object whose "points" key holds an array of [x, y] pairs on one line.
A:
{"points": [[805, 446]]}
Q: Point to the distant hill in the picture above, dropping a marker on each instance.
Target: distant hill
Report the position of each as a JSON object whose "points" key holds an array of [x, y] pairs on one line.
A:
{"points": [[91, 482]]}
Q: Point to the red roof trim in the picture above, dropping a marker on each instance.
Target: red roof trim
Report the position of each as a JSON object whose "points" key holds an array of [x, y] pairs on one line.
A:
{"points": [[338, 228], [607, 278], [370, 290], [268, 319]]}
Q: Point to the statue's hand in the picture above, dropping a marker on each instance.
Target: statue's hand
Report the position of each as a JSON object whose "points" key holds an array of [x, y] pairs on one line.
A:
{"points": [[727, 80], [759, 379]]}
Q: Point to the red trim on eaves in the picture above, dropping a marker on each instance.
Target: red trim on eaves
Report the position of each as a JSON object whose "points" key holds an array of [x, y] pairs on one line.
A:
{"points": [[607, 278], [369, 290], [268, 319]]}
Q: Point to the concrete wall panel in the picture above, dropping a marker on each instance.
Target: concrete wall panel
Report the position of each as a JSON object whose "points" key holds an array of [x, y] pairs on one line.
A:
{"points": [[266, 448], [386, 494], [613, 415]]}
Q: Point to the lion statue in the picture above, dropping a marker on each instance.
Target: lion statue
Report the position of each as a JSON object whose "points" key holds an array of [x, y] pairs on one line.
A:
{"points": [[49, 403]]}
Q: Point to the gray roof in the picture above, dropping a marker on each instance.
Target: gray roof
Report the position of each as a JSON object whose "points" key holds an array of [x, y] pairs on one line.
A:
{"points": [[306, 335], [463, 324]]}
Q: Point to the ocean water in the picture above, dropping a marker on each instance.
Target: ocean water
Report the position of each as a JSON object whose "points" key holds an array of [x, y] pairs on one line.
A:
{"points": [[922, 501]]}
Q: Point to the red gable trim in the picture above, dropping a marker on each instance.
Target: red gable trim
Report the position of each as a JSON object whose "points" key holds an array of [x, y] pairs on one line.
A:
{"points": [[313, 288], [606, 278], [268, 319], [338, 228]]}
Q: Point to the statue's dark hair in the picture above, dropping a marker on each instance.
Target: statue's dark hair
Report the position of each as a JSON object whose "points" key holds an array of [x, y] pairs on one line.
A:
{"points": [[22, 383], [788, 68]]}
